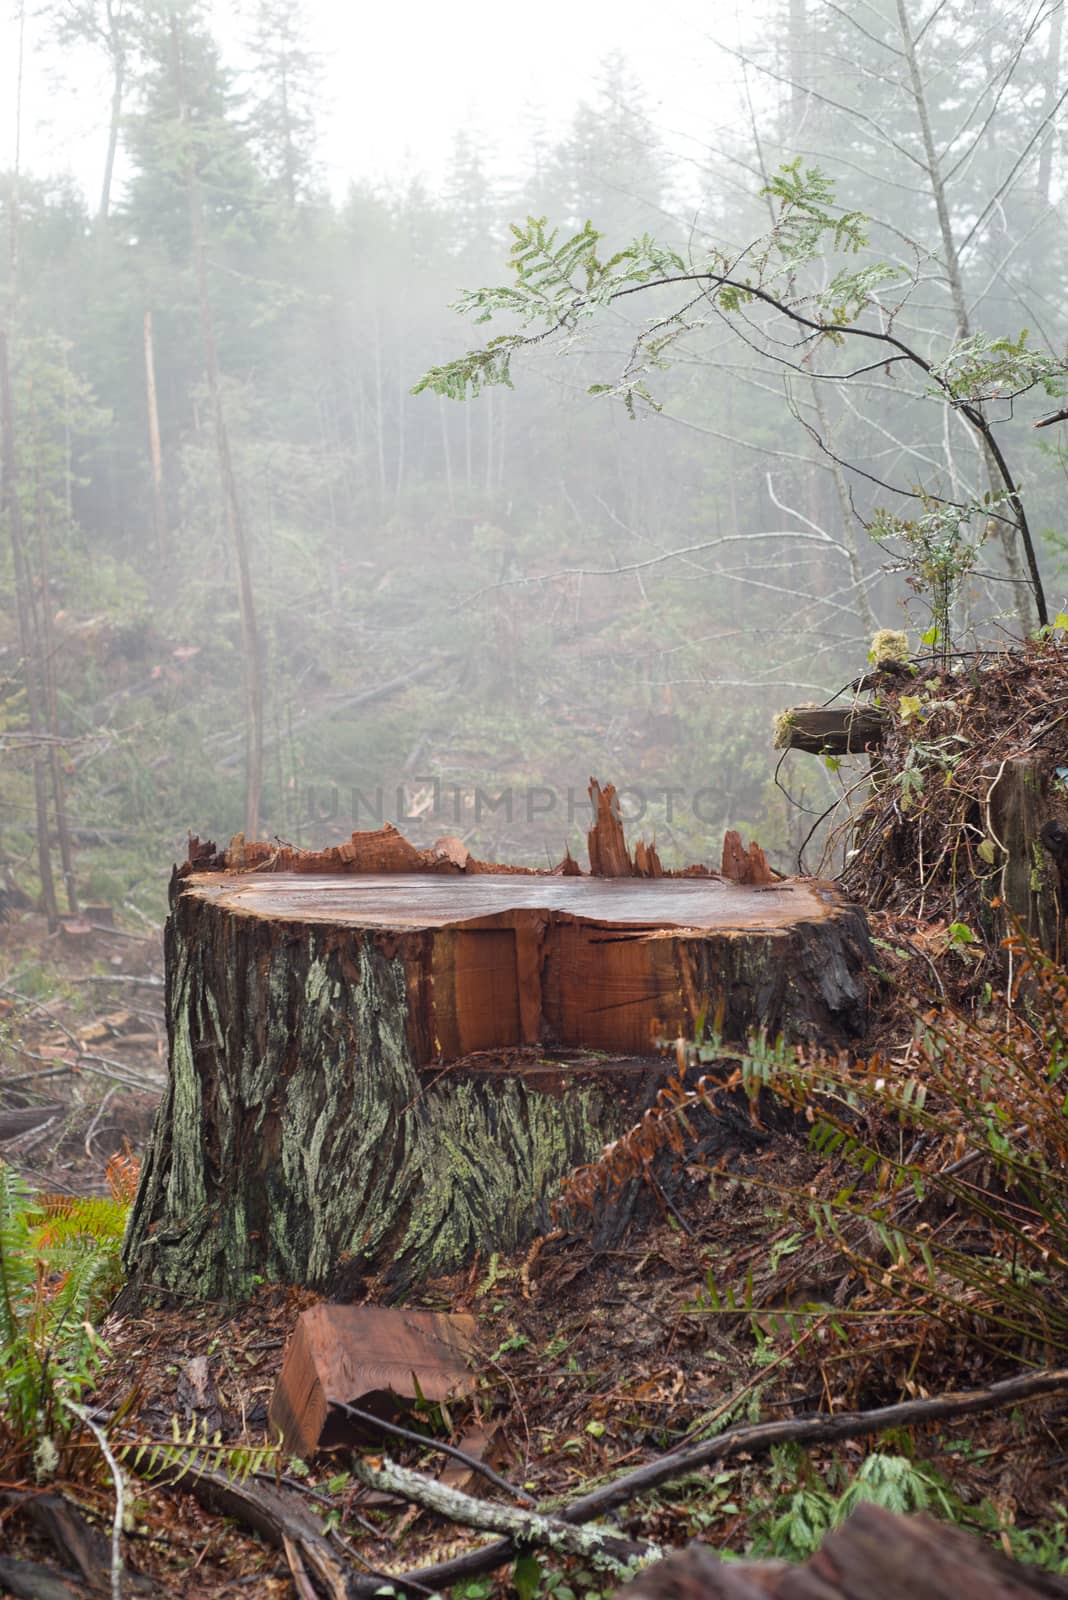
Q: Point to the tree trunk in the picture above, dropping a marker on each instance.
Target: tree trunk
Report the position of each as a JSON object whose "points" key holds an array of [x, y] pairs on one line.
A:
{"points": [[27, 632], [996, 477], [1049, 106], [384, 1060], [250, 636], [118, 84], [848, 528], [159, 510], [48, 651]]}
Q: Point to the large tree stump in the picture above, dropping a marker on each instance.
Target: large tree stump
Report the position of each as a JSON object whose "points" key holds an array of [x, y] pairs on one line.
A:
{"points": [[384, 1060]]}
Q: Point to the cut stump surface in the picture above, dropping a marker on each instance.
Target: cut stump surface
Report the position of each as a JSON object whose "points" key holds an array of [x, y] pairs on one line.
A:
{"points": [[389, 1070]]}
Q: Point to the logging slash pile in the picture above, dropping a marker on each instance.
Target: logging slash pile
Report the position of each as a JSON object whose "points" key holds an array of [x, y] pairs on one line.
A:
{"points": [[967, 760]]}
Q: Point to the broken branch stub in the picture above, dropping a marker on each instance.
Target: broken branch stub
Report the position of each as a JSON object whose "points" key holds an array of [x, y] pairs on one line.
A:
{"points": [[384, 1059], [831, 730]]}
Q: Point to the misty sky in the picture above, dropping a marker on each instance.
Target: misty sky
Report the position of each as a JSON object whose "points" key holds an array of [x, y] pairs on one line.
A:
{"points": [[401, 79]]}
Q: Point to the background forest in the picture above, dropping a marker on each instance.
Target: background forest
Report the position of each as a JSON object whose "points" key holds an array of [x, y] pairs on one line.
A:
{"points": [[230, 527]]}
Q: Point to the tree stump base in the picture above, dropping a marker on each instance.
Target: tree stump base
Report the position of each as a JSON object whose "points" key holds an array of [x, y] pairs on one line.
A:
{"points": [[383, 1061]]}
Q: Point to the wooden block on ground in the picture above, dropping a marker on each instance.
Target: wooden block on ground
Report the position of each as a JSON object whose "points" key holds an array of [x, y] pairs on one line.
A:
{"points": [[365, 1356]]}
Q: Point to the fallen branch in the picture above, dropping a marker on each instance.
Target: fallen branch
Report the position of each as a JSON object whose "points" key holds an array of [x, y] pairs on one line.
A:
{"points": [[96, 1066], [26, 1119], [754, 1440], [601, 1547]]}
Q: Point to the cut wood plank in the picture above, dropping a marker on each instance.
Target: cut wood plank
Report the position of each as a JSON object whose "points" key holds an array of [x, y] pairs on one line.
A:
{"points": [[1019, 828], [364, 1356]]}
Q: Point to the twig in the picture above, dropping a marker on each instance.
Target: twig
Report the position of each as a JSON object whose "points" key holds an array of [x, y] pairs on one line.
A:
{"points": [[117, 977], [35, 1077], [412, 1437], [103, 1068], [116, 1475], [101, 1108]]}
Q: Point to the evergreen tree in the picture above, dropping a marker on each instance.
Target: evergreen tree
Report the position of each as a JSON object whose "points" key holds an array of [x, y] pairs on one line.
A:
{"points": [[286, 88]]}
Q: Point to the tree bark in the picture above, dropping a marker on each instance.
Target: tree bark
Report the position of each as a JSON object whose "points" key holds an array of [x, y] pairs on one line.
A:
{"points": [[159, 510], [383, 1061], [27, 632]]}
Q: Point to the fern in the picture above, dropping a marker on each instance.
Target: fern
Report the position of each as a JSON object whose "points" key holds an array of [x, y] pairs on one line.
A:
{"points": [[59, 1266], [191, 1454], [986, 1112], [794, 1526]]}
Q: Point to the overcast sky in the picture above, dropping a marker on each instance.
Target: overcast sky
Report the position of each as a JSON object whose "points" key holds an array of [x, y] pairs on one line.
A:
{"points": [[401, 77]]}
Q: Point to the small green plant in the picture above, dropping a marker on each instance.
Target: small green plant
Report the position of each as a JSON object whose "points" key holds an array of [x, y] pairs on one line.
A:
{"points": [[1043, 1545], [58, 1268], [799, 1517], [936, 552]]}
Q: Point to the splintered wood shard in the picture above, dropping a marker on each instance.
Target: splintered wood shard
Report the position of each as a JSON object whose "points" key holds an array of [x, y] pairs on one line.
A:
{"points": [[384, 1059], [609, 856], [744, 866]]}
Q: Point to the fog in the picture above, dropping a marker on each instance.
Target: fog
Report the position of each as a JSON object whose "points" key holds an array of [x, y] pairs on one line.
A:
{"points": [[250, 579]]}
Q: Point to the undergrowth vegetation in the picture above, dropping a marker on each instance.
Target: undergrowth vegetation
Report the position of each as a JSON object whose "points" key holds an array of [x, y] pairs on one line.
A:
{"points": [[59, 1268], [934, 1235]]}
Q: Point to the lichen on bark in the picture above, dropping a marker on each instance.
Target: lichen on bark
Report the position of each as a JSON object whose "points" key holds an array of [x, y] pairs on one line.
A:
{"points": [[310, 1132], [297, 1136]]}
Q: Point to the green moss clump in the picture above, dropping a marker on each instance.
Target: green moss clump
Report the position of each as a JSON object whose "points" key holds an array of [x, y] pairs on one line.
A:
{"points": [[889, 644], [783, 723]]}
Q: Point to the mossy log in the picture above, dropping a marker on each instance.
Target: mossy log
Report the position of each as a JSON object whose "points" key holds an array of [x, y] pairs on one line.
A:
{"points": [[831, 730], [383, 1061]]}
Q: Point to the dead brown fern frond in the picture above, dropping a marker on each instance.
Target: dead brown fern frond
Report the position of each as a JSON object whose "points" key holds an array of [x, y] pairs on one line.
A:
{"points": [[940, 1201]]}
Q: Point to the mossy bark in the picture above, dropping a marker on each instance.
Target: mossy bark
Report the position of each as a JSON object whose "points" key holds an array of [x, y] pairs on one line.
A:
{"points": [[1027, 884], [308, 1134]]}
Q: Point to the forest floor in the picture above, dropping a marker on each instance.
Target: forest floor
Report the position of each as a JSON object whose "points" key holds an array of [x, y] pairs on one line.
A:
{"points": [[722, 1304], [594, 1360]]}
